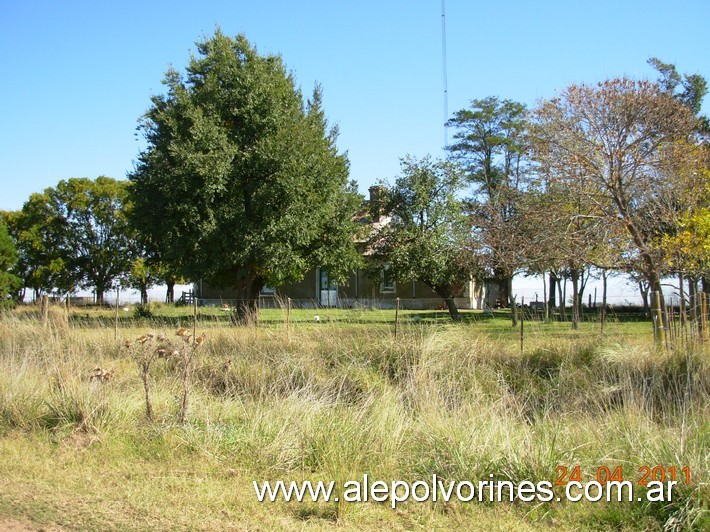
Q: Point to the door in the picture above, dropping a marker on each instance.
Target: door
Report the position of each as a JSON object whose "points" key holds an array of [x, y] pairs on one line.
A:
{"points": [[328, 290]]}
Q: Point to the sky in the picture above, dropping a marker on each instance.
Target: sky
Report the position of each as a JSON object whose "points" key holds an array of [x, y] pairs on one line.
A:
{"points": [[78, 75]]}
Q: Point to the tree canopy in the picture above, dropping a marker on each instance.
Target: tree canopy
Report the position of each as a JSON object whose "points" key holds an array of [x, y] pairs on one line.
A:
{"points": [[490, 143], [241, 183], [428, 235], [688, 89], [9, 282], [630, 147], [74, 234]]}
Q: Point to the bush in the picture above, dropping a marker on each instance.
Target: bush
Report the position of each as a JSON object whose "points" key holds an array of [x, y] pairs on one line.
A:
{"points": [[143, 311]]}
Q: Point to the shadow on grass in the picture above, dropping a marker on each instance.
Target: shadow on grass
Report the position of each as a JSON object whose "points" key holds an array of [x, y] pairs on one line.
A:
{"points": [[308, 512]]}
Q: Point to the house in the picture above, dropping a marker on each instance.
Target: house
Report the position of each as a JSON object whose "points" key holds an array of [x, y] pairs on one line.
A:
{"points": [[318, 290]]}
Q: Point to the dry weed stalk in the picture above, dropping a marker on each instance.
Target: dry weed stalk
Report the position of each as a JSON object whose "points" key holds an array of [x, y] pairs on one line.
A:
{"points": [[144, 357], [188, 353]]}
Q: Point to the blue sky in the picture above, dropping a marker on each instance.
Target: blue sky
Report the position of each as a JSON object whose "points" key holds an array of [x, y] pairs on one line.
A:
{"points": [[78, 75]]}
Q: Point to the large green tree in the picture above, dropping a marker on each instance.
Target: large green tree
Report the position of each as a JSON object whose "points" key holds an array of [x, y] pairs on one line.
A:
{"points": [[241, 182], [9, 282], [38, 232], [427, 235], [490, 143], [74, 235], [100, 240]]}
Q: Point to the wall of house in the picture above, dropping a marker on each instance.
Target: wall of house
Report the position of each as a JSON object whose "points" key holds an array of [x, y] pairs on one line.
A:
{"points": [[361, 290]]}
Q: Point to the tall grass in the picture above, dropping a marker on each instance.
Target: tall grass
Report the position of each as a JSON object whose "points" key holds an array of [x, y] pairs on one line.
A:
{"points": [[335, 404]]}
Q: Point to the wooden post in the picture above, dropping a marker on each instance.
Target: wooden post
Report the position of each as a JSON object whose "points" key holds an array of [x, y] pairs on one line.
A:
{"points": [[115, 329], [660, 332], [396, 318], [698, 316], [288, 316], [704, 310], [671, 334], [194, 315], [693, 307], [522, 321], [44, 309], [681, 283], [683, 314], [679, 324], [602, 317]]}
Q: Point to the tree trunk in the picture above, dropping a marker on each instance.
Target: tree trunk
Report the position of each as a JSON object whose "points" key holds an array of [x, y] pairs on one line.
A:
{"points": [[544, 298], [100, 295], [144, 293], [553, 286], [574, 274], [453, 311], [658, 306], [563, 299], [446, 293], [170, 294], [513, 306], [503, 289], [583, 278], [643, 289], [247, 312]]}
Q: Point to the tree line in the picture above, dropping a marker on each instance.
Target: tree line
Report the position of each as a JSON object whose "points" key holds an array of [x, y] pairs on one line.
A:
{"points": [[242, 184], [606, 178]]}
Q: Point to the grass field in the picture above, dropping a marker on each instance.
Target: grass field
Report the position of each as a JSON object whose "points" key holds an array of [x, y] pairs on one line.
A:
{"points": [[334, 400]]}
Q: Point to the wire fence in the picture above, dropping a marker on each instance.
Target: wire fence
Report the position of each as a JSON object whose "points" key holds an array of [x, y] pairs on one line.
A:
{"points": [[677, 321]]}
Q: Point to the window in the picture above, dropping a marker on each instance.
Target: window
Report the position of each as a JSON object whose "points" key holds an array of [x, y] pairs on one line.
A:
{"points": [[387, 285], [326, 283]]}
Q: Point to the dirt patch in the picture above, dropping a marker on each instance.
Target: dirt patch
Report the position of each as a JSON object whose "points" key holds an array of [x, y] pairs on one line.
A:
{"points": [[13, 525]]}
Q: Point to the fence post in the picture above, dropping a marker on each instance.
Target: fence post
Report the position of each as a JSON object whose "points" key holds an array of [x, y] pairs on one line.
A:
{"points": [[396, 318], [704, 310], [658, 321], [115, 322], [672, 336], [602, 317], [698, 307], [288, 317], [522, 320], [194, 315]]}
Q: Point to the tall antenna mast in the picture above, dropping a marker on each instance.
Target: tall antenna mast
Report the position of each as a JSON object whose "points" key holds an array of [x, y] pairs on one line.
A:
{"points": [[443, 53]]}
